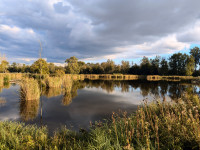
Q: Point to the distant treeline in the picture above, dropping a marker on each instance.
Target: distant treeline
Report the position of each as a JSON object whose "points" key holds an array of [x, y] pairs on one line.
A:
{"points": [[177, 64]]}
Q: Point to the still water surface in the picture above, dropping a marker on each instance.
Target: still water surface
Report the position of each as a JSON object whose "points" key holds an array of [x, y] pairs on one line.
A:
{"points": [[89, 101]]}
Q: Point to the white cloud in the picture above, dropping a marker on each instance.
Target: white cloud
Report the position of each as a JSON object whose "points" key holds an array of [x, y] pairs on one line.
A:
{"points": [[191, 35], [97, 29]]}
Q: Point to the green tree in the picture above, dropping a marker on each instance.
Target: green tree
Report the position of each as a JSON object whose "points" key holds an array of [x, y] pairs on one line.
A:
{"points": [[108, 66], [72, 65], [177, 63], [40, 66], [4, 66], [145, 66], [52, 68], [190, 66], [155, 65], [164, 68], [135, 69], [195, 52], [125, 67]]}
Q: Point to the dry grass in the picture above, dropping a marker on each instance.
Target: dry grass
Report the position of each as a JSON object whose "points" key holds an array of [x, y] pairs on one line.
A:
{"points": [[54, 82], [67, 84], [29, 89]]}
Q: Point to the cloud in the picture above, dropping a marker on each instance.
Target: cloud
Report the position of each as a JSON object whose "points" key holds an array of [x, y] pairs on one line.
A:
{"points": [[97, 29], [191, 35]]}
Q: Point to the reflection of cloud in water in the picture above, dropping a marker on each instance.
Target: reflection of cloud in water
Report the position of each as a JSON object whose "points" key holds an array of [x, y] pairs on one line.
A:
{"points": [[10, 111], [90, 103]]}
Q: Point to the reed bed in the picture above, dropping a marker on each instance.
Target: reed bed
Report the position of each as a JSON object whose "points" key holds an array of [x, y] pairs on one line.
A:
{"points": [[158, 125], [54, 82], [67, 84], [13, 76], [29, 89]]}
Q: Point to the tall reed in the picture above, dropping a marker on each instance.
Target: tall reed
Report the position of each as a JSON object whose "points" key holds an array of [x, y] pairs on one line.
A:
{"points": [[53, 82], [67, 84], [29, 89]]}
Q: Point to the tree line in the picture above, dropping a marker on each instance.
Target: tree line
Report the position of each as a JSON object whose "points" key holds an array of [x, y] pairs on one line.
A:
{"points": [[176, 64]]}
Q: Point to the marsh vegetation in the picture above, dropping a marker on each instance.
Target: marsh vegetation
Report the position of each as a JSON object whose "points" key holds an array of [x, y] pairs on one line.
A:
{"points": [[155, 125]]}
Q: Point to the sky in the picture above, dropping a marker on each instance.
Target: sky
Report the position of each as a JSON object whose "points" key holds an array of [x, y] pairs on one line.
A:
{"points": [[97, 30]]}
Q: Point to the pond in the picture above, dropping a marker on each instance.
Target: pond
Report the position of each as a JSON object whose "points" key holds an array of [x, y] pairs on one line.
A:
{"points": [[89, 101]]}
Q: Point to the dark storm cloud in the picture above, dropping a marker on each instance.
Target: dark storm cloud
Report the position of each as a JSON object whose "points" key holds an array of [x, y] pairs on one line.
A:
{"points": [[95, 28]]}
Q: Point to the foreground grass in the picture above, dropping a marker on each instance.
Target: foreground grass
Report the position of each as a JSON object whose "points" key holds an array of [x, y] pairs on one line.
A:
{"points": [[159, 125]]}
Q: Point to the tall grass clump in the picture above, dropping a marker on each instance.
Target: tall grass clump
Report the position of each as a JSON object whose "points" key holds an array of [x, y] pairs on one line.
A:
{"points": [[159, 125], [67, 84], [53, 82], [29, 89], [18, 136]]}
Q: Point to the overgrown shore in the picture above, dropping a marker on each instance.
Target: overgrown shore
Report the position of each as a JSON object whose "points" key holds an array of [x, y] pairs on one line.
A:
{"points": [[155, 125]]}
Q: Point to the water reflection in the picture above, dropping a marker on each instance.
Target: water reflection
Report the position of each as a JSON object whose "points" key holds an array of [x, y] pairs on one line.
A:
{"points": [[83, 101], [2, 101], [51, 92], [29, 109]]}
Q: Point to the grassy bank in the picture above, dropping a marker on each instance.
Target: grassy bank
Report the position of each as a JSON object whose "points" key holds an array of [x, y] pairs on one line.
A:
{"points": [[158, 125]]}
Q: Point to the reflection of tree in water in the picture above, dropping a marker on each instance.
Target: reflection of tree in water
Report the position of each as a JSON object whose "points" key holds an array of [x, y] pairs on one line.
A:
{"points": [[176, 90], [145, 89], [154, 89], [52, 92], [157, 88], [163, 88], [108, 86], [29, 109]]}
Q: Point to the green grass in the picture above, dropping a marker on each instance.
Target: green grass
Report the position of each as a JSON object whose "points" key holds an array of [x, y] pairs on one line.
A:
{"points": [[157, 125]]}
